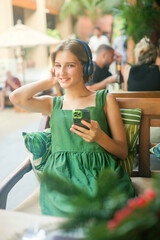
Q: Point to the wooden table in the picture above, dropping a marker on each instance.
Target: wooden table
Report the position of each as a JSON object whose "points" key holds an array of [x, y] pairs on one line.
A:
{"points": [[13, 224]]}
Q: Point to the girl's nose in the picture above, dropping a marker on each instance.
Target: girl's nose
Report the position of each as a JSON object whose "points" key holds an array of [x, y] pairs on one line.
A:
{"points": [[62, 71]]}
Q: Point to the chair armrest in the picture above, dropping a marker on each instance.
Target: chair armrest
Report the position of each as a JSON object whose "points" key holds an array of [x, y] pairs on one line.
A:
{"points": [[8, 183]]}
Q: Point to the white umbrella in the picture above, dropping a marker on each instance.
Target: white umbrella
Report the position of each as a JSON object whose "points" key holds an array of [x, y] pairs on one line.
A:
{"points": [[21, 35]]}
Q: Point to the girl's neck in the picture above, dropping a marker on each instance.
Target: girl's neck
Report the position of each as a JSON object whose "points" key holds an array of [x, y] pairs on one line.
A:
{"points": [[78, 99], [77, 93]]}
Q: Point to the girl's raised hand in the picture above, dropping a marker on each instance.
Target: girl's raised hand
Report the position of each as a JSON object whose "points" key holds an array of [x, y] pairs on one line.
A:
{"points": [[53, 78], [91, 135]]}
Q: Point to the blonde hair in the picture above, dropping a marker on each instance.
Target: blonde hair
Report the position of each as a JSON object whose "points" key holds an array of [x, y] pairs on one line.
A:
{"points": [[145, 52]]}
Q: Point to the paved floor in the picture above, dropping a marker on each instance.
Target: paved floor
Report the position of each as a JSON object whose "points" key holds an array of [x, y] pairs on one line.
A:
{"points": [[12, 151]]}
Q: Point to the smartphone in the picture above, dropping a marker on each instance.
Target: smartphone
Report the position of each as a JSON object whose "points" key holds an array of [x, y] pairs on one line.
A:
{"points": [[79, 114]]}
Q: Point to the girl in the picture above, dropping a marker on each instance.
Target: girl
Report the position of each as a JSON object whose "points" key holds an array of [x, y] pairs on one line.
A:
{"points": [[78, 154]]}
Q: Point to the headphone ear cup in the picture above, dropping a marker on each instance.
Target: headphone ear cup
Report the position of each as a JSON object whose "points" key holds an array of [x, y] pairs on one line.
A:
{"points": [[90, 69], [85, 69]]}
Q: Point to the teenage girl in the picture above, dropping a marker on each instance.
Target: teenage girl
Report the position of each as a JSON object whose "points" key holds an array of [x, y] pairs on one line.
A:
{"points": [[78, 154]]}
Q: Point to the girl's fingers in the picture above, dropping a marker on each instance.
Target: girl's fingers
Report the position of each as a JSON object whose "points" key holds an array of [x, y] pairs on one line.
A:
{"points": [[87, 124], [94, 124], [79, 129], [88, 135]]}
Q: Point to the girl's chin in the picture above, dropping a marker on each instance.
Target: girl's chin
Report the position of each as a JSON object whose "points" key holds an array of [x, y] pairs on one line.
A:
{"points": [[64, 84]]}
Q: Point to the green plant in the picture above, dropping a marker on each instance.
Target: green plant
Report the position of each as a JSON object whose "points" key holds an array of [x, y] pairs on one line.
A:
{"points": [[108, 214], [89, 8], [54, 33], [141, 19]]}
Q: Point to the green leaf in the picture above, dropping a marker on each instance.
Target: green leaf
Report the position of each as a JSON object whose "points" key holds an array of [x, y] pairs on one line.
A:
{"points": [[76, 8], [61, 185], [142, 18]]}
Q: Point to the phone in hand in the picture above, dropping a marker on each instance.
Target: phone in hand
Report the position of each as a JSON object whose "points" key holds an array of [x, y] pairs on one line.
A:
{"points": [[81, 114]]}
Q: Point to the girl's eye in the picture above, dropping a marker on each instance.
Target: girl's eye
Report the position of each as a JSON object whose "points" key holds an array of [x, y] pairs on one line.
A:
{"points": [[57, 66], [70, 66]]}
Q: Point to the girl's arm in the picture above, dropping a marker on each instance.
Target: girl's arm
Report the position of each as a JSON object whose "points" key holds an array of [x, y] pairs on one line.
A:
{"points": [[25, 97], [117, 145]]}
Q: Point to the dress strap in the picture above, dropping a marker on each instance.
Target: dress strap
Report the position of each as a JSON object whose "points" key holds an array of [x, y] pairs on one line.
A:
{"points": [[57, 102], [101, 97]]}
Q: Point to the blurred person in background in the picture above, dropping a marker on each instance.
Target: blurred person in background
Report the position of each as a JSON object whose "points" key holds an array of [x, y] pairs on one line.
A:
{"points": [[96, 40], [145, 75], [158, 54], [120, 45], [105, 56], [11, 84]]}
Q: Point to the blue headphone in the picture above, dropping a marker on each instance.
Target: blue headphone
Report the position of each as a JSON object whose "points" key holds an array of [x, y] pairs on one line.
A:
{"points": [[88, 67]]}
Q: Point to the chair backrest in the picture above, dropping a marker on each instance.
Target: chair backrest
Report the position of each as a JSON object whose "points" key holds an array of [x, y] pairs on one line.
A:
{"points": [[150, 118], [137, 94]]}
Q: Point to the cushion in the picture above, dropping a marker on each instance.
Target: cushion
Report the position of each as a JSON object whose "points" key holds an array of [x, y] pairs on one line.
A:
{"points": [[30, 204], [131, 119], [39, 146], [142, 184], [156, 150]]}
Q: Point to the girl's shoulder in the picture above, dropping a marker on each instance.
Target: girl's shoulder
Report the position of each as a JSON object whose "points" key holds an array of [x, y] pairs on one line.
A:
{"points": [[57, 101], [101, 96]]}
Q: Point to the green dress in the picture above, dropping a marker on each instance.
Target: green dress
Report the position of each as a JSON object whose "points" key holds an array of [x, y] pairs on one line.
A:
{"points": [[75, 159]]}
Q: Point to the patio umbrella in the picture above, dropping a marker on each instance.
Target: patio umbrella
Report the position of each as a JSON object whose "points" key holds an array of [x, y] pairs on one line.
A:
{"points": [[21, 35]]}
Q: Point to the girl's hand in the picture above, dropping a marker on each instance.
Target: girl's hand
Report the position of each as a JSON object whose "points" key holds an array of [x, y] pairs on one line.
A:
{"points": [[53, 78], [91, 135]]}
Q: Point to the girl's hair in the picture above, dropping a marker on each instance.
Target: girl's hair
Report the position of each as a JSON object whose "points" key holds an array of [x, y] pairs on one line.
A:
{"points": [[145, 52], [75, 48]]}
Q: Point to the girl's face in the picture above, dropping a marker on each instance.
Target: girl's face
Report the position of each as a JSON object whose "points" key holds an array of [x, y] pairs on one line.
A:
{"points": [[68, 69]]}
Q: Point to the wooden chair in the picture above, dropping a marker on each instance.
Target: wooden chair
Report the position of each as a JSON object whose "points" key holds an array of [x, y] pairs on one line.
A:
{"points": [[137, 94], [140, 177]]}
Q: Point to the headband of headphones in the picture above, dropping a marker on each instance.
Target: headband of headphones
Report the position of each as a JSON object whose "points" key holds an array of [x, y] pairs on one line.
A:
{"points": [[88, 67]]}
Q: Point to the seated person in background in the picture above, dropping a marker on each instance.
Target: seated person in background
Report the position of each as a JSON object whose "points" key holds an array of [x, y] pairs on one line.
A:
{"points": [[158, 55], [120, 45], [145, 75], [11, 84], [105, 55]]}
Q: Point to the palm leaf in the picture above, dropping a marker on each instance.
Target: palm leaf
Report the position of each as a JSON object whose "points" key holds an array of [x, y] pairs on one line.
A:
{"points": [[78, 8]]}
